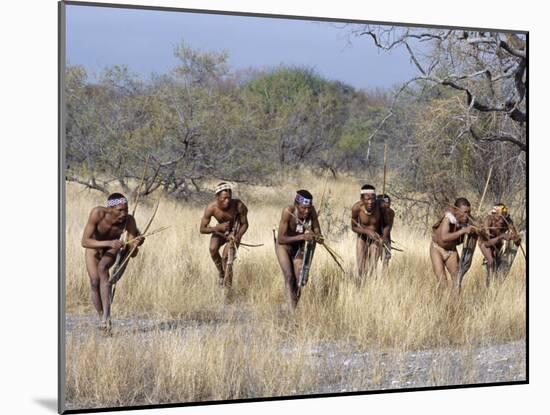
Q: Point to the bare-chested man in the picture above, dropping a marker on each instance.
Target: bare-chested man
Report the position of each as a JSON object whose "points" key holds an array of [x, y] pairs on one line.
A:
{"points": [[299, 224], [231, 215], [449, 232], [496, 230], [366, 222], [101, 238], [386, 226]]}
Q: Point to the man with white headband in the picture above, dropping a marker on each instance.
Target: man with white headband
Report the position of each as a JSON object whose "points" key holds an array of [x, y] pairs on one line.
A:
{"points": [[299, 224], [231, 215], [101, 238], [493, 242], [366, 222]]}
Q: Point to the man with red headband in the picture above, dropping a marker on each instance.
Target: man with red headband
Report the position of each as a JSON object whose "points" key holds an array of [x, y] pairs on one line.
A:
{"points": [[101, 238], [231, 215], [299, 224]]}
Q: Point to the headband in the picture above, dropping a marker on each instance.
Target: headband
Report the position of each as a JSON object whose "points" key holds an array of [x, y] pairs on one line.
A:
{"points": [[500, 210], [367, 191], [222, 187], [301, 200], [115, 202]]}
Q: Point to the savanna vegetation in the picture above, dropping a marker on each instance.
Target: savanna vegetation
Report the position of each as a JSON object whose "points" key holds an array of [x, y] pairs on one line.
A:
{"points": [[176, 338], [463, 114]]}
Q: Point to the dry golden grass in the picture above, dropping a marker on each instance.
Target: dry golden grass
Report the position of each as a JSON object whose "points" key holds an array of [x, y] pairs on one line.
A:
{"points": [[253, 347]]}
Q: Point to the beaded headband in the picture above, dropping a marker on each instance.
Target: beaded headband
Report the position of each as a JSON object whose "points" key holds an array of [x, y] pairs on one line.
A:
{"points": [[301, 200], [222, 187], [115, 202]]}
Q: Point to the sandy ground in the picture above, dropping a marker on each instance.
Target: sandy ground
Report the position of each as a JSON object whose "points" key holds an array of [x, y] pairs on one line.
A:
{"points": [[335, 362]]}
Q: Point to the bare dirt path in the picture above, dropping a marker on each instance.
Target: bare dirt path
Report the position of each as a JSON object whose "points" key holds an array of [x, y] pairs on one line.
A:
{"points": [[337, 362]]}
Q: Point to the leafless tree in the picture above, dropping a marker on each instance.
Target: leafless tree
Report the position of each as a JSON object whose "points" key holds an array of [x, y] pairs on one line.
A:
{"points": [[488, 68]]}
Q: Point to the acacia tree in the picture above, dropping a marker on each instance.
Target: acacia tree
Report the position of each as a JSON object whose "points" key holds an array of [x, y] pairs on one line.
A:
{"points": [[179, 127], [488, 68], [367, 128], [102, 119], [469, 100], [214, 127], [300, 115]]}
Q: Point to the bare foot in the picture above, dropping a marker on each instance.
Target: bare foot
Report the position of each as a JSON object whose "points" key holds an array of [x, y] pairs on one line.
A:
{"points": [[106, 327]]}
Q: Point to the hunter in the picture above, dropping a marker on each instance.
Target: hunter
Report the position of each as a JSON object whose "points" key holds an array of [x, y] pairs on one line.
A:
{"points": [[367, 219], [447, 233], [298, 227], [231, 215], [498, 228], [101, 238]]}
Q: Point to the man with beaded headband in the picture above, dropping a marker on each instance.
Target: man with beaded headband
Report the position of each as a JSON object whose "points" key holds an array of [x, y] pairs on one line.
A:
{"points": [[101, 238], [496, 240], [367, 221], [231, 215], [299, 224]]}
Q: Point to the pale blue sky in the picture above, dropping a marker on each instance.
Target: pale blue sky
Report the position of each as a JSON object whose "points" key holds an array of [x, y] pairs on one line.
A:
{"points": [[144, 40]]}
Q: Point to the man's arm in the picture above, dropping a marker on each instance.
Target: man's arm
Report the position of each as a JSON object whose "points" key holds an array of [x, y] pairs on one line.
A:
{"points": [[389, 215], [133, 231], [205, 221], [88, 240], [483, 233], [514, 236], [484, 236], [448, 236], [494, 241], [243, 218], [355, 227], [282, 237], [316, 227]]}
